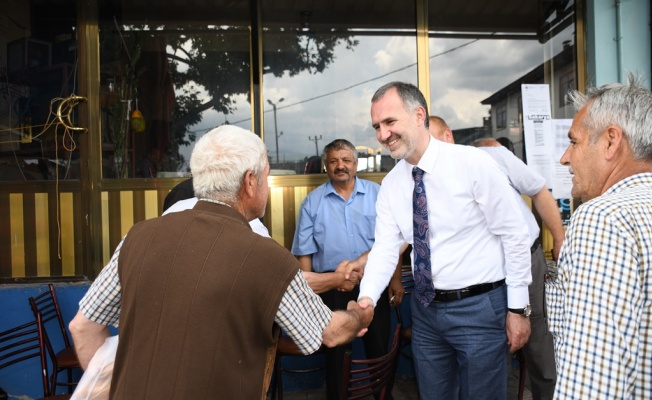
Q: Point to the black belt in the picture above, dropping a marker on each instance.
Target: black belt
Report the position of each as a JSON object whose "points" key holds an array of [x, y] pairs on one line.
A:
{"points": [[535, 245], [458, 294]]}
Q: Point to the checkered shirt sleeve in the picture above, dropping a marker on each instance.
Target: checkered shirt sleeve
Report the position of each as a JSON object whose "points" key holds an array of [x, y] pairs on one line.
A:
{"points": [[600, 307], [101, 303], [303, 315]]}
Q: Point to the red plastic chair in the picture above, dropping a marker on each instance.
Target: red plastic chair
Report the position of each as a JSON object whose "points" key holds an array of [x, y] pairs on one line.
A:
{"points": [[47, 306], [24, 342]]}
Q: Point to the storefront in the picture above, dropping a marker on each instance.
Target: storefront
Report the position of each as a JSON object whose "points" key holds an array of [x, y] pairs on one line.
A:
{"points": [[102, 100]]}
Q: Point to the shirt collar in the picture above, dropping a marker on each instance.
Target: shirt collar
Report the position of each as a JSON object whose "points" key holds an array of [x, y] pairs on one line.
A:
{"points": [[642, 179], [357, 188], [429, 157]]}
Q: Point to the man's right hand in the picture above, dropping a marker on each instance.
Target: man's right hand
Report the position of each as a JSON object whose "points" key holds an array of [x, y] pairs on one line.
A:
{"points": [[364, 311], [347, 325]]}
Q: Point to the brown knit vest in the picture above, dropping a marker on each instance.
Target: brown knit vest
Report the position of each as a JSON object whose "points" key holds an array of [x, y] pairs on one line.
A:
{"points": [[199, 294]]}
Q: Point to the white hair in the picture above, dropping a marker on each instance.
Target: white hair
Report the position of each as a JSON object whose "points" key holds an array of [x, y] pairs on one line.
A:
{"points": [[220, 160], [627, 105]]}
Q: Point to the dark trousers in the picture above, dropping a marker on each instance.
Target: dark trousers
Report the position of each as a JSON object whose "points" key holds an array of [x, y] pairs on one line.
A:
{"points": [[460, 347], [376, 340], [539, 351]]}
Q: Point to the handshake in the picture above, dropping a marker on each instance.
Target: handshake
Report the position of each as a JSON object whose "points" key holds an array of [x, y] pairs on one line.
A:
{"points": [[349, 275]]}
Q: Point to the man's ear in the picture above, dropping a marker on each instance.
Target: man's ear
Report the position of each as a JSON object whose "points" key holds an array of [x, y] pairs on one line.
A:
{"points": [[248, 183], [615, 141], [420, 113]]}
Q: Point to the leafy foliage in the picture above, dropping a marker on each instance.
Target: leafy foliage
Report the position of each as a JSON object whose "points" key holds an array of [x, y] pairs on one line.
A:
{"points": [[211, 65]]}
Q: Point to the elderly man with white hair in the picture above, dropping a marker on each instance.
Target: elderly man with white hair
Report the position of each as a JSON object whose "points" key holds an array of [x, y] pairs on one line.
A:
{"points": [[199, 297]]}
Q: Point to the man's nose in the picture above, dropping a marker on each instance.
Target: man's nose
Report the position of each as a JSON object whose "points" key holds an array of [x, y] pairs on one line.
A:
{"points": [[565, 158], [382, 134]]}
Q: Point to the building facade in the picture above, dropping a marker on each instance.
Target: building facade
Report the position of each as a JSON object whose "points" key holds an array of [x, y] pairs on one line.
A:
{"points": [[102, 100]]}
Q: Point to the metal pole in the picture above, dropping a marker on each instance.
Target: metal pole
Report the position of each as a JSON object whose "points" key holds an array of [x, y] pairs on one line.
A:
{"points": [[276, 134], [316, 140]]}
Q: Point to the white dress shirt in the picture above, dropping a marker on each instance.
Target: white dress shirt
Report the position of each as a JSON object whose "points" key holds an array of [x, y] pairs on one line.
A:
{"points": [[523, 179], [475, 235], [187, 204]]}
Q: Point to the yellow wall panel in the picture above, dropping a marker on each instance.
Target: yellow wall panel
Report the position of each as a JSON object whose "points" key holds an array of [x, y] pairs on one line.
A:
{"points": [[300, 193], [42, 235], [106, 250], [17, 235], [276, 199], [126, 211], [151, 204], [67, 234]]}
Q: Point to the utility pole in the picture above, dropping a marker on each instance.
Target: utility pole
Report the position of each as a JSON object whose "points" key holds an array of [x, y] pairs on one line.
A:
{"points": [[315, 139], [276, 134]]}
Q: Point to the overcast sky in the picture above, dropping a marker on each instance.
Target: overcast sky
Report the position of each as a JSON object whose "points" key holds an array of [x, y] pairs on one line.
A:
{"points": [[463, 72]]}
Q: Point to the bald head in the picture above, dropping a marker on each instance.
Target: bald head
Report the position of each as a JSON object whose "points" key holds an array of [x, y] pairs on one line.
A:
{"points": [[440, 130], [486, 142]]}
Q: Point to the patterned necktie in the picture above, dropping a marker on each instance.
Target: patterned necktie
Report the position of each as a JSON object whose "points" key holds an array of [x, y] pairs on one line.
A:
{"points": [[424, 290]]}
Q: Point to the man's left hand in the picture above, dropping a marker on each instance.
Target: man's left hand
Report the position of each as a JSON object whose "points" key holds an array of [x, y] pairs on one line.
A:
{"points": [[518, 331]]}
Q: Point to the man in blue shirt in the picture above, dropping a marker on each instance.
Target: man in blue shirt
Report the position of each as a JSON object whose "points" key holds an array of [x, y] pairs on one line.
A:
{"points": [[336, 225]]}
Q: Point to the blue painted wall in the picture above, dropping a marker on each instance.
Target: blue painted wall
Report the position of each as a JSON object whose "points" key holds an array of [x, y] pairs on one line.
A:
{"points": [[22, 380], [618, 40]]}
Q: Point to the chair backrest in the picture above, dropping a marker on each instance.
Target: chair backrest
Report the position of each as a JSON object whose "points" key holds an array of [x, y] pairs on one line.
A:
{"points": [[22, 343], [47, 305], [407, 279], [362, 378]]}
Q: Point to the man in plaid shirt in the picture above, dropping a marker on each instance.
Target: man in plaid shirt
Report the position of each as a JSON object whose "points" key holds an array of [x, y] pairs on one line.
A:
{"points": [[601, 303]]}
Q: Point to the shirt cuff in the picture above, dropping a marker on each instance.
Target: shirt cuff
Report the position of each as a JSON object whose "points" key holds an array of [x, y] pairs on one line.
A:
{"points": [[517, 297]]}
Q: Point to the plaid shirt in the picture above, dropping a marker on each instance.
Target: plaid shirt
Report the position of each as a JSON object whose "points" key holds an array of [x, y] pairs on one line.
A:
{"points": [[600, 307], [301, 314]]}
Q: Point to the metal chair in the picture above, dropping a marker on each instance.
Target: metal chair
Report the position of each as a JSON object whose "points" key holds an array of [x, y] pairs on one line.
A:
{"points": [[47, 306], [366, 377], [24, 342]]}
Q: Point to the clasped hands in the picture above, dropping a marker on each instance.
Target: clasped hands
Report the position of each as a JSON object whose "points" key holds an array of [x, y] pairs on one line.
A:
{"points": [[351, 273], [365, 313]]}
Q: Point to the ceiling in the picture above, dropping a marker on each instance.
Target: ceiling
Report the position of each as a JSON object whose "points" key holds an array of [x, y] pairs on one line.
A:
{"points": [[529, 18]]}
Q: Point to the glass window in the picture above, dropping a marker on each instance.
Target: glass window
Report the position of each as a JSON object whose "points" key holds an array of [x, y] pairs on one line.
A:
{"points": [[37, 72], [478, 61], [501, 117], [322, 66], [566, 84], [167, 78]]}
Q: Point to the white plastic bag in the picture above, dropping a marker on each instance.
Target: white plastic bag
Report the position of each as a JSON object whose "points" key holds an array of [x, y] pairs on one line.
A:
{"points": [[96, 381]]}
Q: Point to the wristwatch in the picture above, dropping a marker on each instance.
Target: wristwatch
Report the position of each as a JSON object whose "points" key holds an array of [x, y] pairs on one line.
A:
{"points": [[526, 311]]}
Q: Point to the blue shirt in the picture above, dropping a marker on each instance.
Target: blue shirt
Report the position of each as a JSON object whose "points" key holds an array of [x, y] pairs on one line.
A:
{"points": [[333, 229]]}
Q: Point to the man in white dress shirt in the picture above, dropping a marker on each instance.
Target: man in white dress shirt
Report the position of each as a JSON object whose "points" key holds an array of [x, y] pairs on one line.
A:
{"points": [[539, 350], [479, 253]]}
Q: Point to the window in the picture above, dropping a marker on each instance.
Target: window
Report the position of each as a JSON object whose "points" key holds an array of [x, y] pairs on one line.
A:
{"points": [[566, 84], [501, 117]]}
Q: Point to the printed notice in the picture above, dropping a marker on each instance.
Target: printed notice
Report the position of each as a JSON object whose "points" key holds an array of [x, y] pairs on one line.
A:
{"points": [[537, 130], [546, 139]]}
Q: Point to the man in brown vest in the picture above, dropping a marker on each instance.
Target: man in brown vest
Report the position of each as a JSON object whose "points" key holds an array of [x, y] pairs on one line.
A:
{"points": [[199, 296]]}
